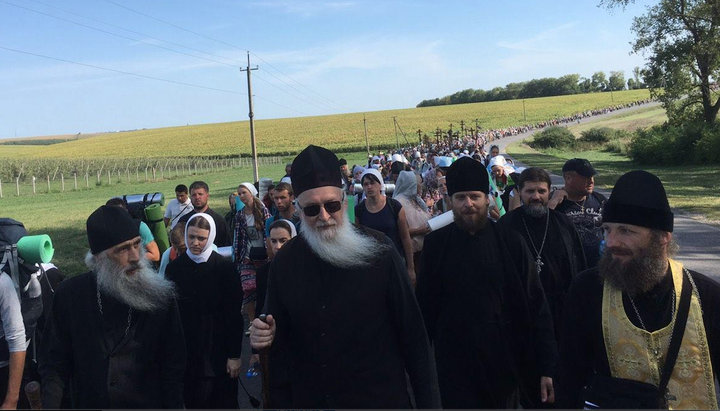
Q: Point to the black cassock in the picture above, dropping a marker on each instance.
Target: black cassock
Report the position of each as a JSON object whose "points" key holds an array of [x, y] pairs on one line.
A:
{"points": [[101, 364], [347, 335], [562, 255], [486, 316], [210, 301]]}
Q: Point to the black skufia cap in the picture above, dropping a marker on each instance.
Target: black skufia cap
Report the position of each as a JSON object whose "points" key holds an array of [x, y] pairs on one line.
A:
{"points": [[466, 174], [315, 167], [109, 226], [639, 198], [580, 166]]}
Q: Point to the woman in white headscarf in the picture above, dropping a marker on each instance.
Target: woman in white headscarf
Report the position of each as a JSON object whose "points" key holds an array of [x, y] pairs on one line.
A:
{"points": [[407, 192], [385, 215], [208, 294]]}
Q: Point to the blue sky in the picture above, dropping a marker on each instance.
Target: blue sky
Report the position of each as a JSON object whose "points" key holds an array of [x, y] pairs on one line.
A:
{"points": [[314, 57]]}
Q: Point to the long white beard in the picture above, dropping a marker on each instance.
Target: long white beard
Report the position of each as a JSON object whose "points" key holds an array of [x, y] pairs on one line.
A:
{"points": [[342, 245], [145, 290]]}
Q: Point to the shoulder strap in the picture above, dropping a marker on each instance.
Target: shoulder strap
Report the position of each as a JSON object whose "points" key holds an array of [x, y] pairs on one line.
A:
{"points": [[678, 331]]}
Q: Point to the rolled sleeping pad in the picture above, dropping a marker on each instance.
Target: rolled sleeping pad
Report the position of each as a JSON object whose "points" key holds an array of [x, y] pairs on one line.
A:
{"points": [[148, 198], [441, 221], [351, 208], [389, 188], [226, 251], [154, 216], [36, 248]]}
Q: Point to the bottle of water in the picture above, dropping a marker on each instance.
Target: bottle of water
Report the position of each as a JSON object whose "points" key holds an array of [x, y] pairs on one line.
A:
{"points": [[252, 371], [602, 247]]}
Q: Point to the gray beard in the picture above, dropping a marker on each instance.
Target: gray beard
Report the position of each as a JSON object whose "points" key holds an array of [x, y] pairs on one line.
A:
{"points": [[343, 245], [638, 275], [536, 210], [145, 290]]}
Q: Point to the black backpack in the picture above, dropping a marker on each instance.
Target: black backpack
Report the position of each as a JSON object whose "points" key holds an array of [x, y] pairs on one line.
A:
{"points": [[25, 278]]}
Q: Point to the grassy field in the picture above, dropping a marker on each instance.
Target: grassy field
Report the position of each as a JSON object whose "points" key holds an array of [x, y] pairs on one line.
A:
{"points": [[338, 132], [694, 189], [63, 215]]}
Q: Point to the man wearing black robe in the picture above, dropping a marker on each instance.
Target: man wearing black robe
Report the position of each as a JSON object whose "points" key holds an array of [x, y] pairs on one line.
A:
{"points": [[114, 337], [555, 245], [348, 326], [638, 225], [483, 305]]}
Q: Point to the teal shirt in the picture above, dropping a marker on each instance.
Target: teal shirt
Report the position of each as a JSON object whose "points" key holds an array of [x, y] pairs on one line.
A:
{"points": [[145, 234]]}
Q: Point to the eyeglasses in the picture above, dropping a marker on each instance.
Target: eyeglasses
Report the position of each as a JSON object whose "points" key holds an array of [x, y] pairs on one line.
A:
{"points": [[314, 209]]}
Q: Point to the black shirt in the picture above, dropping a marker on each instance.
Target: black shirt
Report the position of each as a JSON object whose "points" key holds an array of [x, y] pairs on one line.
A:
{"points": [[587, 218]]}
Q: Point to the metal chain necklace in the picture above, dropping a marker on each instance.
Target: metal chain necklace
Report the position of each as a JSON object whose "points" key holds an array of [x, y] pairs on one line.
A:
{"points": [[656, 351], [129, 318], [538, 261], [581, 204]]}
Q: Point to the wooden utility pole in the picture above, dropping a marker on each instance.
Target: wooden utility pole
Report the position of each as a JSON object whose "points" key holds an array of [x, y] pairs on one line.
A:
{"points": [[252, 121], [524, 113], [367, 144]]}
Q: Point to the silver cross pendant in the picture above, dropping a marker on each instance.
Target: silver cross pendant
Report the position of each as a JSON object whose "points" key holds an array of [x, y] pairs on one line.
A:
{"points": [[539, 264]]}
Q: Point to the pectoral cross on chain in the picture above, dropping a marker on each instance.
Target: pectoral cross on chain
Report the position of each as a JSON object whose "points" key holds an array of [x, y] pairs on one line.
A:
{"points": [[539, 264]]}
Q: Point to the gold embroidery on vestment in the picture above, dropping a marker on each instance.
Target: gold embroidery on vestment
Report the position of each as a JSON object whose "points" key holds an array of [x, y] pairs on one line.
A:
{"points": [[639, 355]]}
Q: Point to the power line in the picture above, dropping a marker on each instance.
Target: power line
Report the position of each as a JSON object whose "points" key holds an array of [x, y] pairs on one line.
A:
{"points": [[219, 41], [172, 24], [132, 31], [148, 77], [302, 85], [115, 34], [182, 83], [292, 95]]}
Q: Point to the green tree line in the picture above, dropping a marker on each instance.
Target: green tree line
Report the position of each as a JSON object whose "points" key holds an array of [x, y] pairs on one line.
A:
{"points": [[544, 87]]}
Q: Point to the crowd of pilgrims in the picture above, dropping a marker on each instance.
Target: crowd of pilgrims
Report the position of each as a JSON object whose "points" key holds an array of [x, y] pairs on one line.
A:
{"points": [[490, 351]]}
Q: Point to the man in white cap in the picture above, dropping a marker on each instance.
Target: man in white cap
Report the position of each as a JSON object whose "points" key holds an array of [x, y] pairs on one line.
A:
{"points": [[340, 308], [114, 338]]}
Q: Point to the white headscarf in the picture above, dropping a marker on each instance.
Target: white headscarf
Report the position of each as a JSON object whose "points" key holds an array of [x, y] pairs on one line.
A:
{"points": [[251, 188], [377, 175], [293, 231], [205, 254]]}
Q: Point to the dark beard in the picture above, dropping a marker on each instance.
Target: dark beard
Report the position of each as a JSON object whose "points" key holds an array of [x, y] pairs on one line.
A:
{"points": [[639, 274], [471, 223], [536, 210]]}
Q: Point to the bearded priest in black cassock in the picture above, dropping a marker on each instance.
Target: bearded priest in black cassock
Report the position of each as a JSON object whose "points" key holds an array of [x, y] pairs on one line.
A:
{"points": [[556, 247], [114, 337], [341, 310], [484, 306]]}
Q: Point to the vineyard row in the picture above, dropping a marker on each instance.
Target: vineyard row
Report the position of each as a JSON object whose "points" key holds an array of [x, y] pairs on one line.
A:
{"points": [[45, 176]]}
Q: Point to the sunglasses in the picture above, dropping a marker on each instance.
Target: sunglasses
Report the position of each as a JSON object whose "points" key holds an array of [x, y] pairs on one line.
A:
{"points": [[314, 209]]}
